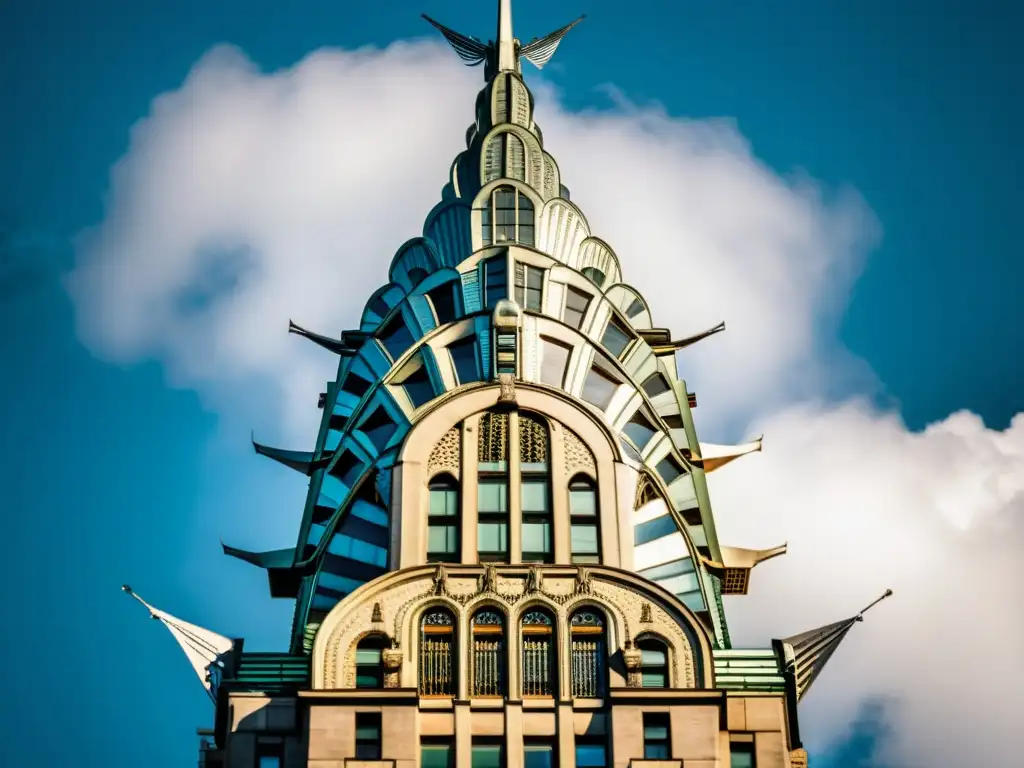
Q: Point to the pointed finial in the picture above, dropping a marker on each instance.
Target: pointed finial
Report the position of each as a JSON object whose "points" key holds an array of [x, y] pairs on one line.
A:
{"points": [[507, 57], [860, 616]]}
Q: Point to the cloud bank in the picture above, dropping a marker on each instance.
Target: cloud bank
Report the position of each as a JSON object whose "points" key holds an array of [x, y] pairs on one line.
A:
{"points": [[247, 198]]}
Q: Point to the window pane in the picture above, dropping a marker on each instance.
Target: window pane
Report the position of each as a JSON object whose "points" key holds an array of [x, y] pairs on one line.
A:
{"points": [[535, 496], [655, 385], [584, 539], [575, 306], [582, 501], [492, 496], [492, 537], [653, 656], [656, 751], [669, 469], [487, 756], [554, 360], [437, 756], [655, 730], [538, 756], [654, 680], [443, 501], [741, 756], [591, 756], [495, 281], [463, 353], [270, 761], [640, 430], [441, 539], [368, 655], [598, 388], [615, 338], [443, 299], [594, 274], [537, 537]]}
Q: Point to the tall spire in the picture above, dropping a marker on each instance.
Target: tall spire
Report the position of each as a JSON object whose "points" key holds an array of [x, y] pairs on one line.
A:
{"points": [[506, 44]]}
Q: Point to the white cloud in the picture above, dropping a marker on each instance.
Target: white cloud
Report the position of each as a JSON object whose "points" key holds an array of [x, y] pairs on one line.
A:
{"points": [[248, 198]]}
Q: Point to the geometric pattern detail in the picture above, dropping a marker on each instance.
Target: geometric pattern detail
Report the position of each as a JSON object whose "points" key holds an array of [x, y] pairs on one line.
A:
{"points": [[578, 457], [446, 456]]}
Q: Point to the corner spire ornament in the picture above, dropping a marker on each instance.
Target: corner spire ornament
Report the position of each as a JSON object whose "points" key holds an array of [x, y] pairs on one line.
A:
{"points": [[204, 649], [503, 53]]}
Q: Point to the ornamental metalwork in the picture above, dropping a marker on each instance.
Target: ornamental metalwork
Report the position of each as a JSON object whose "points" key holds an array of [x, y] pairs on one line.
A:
{"points": [[587, 670], [438, 619], [493, 440], [488, 618], [537, 618], [533, 440], [587, 619]]}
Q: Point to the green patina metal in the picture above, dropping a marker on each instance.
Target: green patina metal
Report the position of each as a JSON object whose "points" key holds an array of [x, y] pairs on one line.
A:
{"points": [[752, 671]]}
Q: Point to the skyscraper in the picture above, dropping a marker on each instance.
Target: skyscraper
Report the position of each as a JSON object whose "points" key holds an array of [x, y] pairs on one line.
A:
{"points": [[507, 555]]}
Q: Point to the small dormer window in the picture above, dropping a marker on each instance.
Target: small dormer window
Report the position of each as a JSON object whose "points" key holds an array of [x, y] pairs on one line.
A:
{"points": [[529, 286]]}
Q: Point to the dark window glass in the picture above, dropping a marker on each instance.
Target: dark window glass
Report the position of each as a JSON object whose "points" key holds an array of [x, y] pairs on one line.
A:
{"points": [[595, 274], [591, 753], [673, 421], [269, 755], [639, 429], [443, 299], [379, 427], [443, 532], [356, 384], [598, 388], [655, 384], [654, 664], [367, 735], [369, 668], [437, 753], [495, 281], [529, 282], [554, 361], [616, 338], [741, 755], [485, 225], [418, 387], [378, 306], [538, 754], [576, 303], [395, 337], [417, 275], [464, 360], [656, 738]]}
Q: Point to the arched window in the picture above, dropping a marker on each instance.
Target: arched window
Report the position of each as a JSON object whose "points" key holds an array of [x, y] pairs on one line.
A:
{"points": [[653, 663], [586, 630], [594, 274], [438, 674], [488, 653], [443, 535], [508, 217], [534, 452], [417, 275], [655, 384], [369, 664], [539, 657], [492, 488], [584, 521]]}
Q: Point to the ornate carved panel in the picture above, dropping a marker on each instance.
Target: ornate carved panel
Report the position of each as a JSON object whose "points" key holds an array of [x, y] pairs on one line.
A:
{"points": [[578, 457], [446, 455]]}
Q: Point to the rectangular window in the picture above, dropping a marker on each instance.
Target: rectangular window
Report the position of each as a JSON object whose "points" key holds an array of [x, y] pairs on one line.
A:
{"points": [[656, 736], [529, 282], [591, 753], [504, 215], [495, 280], [598, 388], [487, 756], [538, 754], [576, 303], [442, 543], [463, 354], [583, 539], [616, 338], [492, 496], [395, 336], [269, 755], [367, 735], [669, 469], [437, 753], [443, 300], [741, 755], [554, 361]]}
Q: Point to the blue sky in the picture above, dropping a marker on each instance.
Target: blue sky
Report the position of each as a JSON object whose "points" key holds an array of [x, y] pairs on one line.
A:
{"points": [[115, 474]]}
